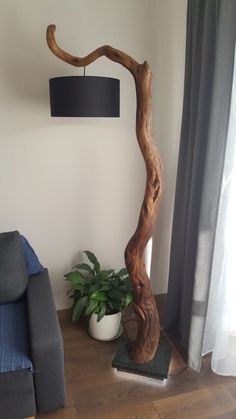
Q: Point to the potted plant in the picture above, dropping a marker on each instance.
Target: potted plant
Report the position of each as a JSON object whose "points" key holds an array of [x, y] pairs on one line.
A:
{"points": [[101, 295]]}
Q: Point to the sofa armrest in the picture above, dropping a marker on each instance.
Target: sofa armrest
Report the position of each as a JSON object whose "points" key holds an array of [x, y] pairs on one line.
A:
{"points": [[46, 344]]}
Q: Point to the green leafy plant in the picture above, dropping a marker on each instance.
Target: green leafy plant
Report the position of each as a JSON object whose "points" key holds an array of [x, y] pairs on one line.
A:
{"points": [[98, 291]]}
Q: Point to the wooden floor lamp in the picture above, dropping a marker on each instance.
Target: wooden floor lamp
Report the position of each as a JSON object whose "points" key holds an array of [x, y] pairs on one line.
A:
{"points": [[145, 346]]}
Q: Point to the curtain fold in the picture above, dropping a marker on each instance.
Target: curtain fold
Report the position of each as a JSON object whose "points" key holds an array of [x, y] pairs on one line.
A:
{"points": [[220, 326], [210, 49]]}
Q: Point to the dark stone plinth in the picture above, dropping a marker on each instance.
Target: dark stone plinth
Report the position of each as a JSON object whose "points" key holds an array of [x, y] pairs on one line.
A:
{"points": [[157, 368]]}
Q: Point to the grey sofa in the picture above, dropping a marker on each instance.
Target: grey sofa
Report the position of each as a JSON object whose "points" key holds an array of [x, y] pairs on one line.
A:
{"points": [[24, 392]]}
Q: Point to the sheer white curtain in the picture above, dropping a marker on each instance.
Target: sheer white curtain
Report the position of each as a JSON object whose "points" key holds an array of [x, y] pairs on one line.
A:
{"points": [[220, 328]]}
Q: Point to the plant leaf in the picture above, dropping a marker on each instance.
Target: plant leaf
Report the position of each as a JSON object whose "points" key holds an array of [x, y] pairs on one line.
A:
{"points": [[79, 307], [82, 274], [99, 296], [84, 267], [110, 304], [116, 281], [128, 298], [102, 311], [74, 277], [77, 295], [91, 307], [122, 272], [105, 287], [94, 287], [79, 287], [107, 272], [115, 293], [92, 258]]}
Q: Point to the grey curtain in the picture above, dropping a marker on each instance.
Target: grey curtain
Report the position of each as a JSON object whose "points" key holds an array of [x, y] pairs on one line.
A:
{"points": [[210, 50]]}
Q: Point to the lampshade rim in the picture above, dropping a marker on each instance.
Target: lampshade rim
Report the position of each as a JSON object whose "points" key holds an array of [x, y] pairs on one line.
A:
{"points": [[83, 77]]}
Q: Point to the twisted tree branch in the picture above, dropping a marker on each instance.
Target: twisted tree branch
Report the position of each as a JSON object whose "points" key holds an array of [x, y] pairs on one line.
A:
{"points": [[107, 51], [148, 334]]}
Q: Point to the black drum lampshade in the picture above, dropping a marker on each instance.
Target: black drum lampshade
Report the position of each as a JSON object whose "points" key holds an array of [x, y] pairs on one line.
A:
{"points": [[85, 96]]}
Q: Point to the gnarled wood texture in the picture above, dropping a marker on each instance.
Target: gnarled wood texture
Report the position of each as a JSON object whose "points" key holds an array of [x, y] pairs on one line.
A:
{"points": [[144, 304]]}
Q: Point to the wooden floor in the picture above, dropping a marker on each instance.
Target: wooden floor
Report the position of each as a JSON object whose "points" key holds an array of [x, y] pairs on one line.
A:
{"points": [[95, 390]]}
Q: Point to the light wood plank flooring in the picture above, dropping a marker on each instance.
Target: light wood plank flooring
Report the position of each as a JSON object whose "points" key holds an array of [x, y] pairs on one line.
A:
{"points": [[95, 390]]}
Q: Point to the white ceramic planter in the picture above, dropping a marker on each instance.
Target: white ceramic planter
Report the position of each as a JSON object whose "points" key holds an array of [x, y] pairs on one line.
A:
{"points": [[107, 328]]}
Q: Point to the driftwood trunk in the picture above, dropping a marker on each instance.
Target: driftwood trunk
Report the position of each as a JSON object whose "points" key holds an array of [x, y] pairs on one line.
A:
{"points": [[148, 334]]}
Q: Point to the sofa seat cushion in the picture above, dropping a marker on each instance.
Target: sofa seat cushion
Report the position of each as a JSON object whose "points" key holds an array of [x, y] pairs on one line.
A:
{"points": [[14, 343], [17, 398]]}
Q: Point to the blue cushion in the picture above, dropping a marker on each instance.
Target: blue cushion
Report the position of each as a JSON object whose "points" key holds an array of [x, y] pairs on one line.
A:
{"points": [[14, 347], [33, 265]]}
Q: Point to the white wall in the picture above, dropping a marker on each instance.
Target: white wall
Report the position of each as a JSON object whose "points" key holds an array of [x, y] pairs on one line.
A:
{"points": [[167, 31], [74, 184]]}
